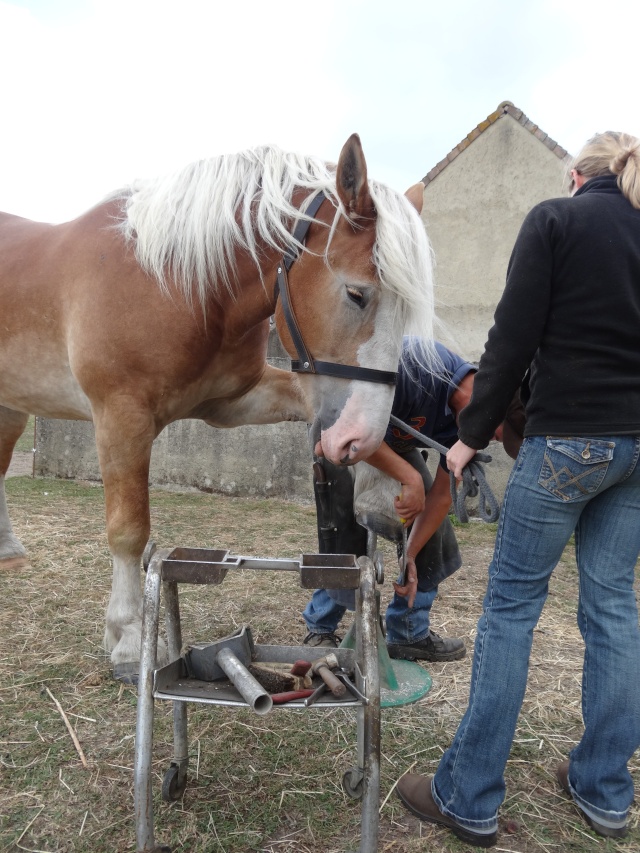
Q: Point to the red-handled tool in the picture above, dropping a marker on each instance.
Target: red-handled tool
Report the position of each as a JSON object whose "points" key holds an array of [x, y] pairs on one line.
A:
{"points": [[290, 696]]}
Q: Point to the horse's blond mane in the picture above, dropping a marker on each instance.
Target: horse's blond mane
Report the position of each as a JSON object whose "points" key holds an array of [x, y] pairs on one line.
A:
{"points": [[188, 226]]}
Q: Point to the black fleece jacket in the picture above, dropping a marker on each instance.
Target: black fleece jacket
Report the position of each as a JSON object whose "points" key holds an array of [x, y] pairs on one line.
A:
{"points": [[570, 311]]}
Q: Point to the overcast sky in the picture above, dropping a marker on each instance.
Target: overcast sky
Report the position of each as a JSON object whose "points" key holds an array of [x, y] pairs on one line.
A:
{"points": [[98, 92]]}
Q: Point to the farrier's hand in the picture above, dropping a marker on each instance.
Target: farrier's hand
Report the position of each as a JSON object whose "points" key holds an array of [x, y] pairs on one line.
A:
{"points": [[410, 502], [409, 588], [459, 456]]}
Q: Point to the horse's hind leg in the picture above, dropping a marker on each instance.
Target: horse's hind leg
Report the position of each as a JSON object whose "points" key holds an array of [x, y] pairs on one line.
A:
{"points": [[12, 424]]}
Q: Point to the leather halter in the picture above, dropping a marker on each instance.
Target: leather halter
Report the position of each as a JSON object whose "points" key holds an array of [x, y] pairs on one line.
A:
{"points": [[305, 362]]}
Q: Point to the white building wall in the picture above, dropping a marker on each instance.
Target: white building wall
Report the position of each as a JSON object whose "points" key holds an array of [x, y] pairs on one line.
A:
{"points": [[473, 211]]}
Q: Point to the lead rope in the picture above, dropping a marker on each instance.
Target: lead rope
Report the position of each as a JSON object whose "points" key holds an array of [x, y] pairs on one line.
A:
{"points": [[473, 483]]}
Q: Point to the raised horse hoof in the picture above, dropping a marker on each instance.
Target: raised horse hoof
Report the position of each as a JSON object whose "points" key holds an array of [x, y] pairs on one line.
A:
{"points": [[127, 672], [12, 564]]}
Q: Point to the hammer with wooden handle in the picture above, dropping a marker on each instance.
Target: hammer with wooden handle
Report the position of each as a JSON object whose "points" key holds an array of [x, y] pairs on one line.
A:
{"points": [[323, 669]]}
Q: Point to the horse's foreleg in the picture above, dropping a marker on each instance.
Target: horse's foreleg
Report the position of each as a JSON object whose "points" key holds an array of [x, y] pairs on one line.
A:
{"points": [[276, 397], [124, 438], [12, 424]]}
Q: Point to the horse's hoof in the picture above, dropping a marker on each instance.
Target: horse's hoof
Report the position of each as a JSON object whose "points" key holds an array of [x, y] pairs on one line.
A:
{"points": [[127, 672], [12, 564]]}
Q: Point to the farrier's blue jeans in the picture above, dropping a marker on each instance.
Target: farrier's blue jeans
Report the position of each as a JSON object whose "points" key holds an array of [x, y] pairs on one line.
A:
{"points": [[323, 614], [558, 485]]}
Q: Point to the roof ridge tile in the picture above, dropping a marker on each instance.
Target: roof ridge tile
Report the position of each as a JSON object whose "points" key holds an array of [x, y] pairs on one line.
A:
{"points": [[504, 108]]}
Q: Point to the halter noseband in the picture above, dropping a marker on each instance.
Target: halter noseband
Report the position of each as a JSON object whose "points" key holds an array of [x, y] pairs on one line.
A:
{"points": [[305, 362]]}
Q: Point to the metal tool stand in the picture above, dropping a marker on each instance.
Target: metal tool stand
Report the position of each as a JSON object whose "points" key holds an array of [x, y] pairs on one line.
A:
{"points": [[165, 570]]}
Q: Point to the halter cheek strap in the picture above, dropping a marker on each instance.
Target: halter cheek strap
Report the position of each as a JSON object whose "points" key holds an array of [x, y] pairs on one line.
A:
{"points": [[305, 362]]}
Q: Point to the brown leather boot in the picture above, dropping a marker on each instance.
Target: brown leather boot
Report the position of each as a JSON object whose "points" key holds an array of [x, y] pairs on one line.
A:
{"points": [[562, 775], [415, 792]]}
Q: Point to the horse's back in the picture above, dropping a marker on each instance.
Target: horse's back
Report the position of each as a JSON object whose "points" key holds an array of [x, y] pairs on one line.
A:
{"points": [[35, 256], [40, 275], [17, 236]]}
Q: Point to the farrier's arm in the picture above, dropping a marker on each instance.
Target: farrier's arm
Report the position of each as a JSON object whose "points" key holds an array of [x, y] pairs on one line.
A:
{"points": [[436, 507], [411, 500]]}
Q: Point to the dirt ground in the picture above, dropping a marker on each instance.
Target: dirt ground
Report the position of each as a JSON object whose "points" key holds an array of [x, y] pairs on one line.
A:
{"points": [[257, 785]]}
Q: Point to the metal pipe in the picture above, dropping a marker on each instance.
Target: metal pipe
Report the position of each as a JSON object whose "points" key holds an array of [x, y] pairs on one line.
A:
{"points": [[251, 691], [368, 653], [143, 795], [174, 644]]}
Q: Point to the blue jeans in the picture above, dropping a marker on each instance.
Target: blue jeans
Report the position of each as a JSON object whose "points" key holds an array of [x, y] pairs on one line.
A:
{"points": [[558, 486], [323, 614]]}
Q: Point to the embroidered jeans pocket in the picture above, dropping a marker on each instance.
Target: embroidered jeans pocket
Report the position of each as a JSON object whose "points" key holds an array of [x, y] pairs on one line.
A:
{"points": [[574, 467]]}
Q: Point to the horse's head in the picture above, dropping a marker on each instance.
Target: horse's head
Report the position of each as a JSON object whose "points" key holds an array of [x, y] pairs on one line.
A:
{"points": [[362, 279], [365, 277]]}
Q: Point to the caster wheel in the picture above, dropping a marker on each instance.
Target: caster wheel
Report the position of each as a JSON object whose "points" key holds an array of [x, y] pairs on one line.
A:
{"points": [[172, 789], [351, 790]]}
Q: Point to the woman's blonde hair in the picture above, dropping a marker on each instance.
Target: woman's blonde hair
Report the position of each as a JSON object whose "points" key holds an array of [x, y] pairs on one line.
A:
{"points": [[613, 153]]}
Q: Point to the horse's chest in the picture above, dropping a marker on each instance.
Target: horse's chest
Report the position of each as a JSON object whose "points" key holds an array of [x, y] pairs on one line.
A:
{"points": [[231, 375]]}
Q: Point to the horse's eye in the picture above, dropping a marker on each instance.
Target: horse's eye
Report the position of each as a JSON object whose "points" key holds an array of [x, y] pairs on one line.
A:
{"points": [[356, 296]]}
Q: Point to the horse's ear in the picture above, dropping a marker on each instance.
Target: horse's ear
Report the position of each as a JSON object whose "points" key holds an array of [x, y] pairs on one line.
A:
{"points": [[415, 194], [351, 180]]}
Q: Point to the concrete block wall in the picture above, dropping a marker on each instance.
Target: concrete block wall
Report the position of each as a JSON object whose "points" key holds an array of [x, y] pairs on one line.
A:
{"points": [[273, 460]]}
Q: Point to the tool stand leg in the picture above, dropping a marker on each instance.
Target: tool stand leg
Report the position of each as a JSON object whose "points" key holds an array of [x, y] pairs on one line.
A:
{"points": [[369, 714], [143, 794], [175, 779]]}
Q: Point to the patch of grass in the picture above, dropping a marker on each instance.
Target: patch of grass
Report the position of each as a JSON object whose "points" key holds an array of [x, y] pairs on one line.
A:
{"points": [[267, 784]]}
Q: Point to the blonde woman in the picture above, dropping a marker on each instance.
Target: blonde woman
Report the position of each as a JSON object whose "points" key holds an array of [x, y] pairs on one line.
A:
{"points": [[571, 311]]}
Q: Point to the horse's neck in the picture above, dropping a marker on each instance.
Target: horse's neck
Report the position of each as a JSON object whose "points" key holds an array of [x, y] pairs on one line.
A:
{"points": [[252, 301]]}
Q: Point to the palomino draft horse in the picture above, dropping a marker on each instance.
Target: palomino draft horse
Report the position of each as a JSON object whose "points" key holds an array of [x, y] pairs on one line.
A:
{"points": [[155, 304]]}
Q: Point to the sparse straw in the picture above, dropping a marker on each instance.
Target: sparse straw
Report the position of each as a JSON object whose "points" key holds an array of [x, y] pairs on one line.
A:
{"points": [[393, 787], [75, 740]]}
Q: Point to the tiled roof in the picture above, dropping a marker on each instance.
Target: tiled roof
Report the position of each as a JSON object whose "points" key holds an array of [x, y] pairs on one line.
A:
{"points": [[504, 109]]}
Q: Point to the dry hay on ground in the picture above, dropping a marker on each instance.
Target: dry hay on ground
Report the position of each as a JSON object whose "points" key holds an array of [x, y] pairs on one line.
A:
{"points": [[267, 784]]}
